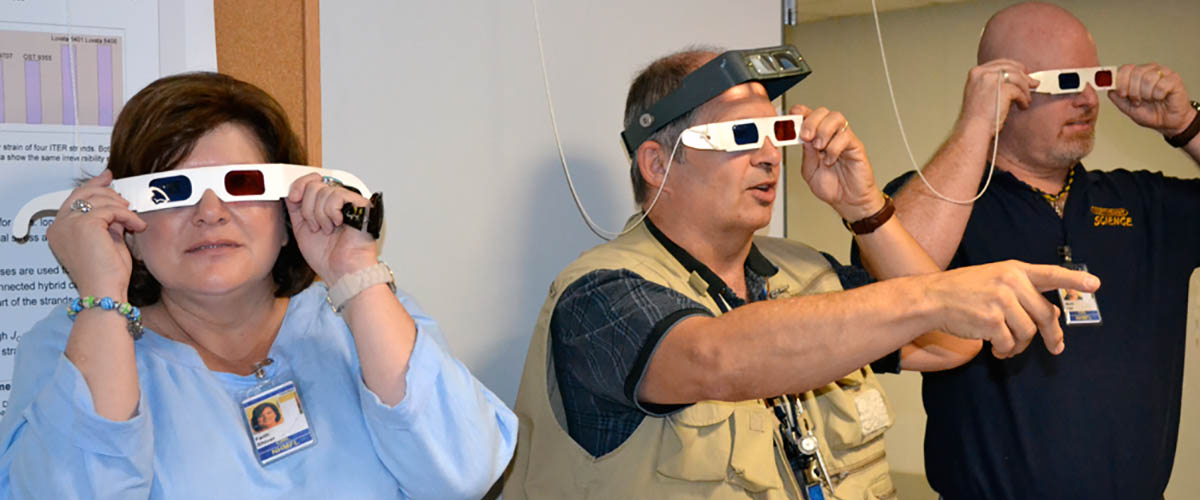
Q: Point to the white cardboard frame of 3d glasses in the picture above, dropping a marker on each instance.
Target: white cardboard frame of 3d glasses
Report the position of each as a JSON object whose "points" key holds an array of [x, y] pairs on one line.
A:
{"points": [[719, 136], [1048, 82], [277, 180]]}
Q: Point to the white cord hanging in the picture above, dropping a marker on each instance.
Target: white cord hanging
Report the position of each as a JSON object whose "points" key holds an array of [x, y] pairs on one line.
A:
{"points": [[562, 157], [900, 124]]}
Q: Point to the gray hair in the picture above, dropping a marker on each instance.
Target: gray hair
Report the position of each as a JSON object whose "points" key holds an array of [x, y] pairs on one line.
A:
{"points": [[657, 80]]}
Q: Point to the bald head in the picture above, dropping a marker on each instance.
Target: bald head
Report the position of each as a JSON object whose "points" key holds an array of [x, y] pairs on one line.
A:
{"points": [[1038, 35]]}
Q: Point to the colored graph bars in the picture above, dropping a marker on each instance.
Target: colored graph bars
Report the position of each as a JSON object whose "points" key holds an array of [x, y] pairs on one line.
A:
{"points": [[60, 79]]}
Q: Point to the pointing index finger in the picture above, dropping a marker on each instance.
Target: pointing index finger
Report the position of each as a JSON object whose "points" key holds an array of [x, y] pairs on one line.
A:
{"points": [[1049, 277]]}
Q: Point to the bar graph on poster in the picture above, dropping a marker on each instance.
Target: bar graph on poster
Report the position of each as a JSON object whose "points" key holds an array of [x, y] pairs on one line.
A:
{"points": [[60, 78], [62, 86], [67, 67]]}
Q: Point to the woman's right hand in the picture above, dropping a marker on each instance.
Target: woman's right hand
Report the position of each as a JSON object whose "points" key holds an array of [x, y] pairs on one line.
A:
{"points": [[91, 246]]}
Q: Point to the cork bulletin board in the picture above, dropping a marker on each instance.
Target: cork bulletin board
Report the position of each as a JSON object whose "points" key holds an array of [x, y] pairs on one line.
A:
{"points": [[275, 44]]}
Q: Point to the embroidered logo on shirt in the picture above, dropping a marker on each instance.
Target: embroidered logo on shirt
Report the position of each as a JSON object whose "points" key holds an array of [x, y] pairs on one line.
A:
{"points": [[1111, 217]]}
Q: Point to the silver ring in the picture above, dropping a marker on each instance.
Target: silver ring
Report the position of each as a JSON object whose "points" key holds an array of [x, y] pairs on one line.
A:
{"points": [[332, 181], [81, 205]]}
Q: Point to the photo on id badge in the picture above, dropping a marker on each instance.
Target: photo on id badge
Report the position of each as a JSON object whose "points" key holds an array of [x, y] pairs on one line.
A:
{"points": [[277, 423], [1079, 308]]}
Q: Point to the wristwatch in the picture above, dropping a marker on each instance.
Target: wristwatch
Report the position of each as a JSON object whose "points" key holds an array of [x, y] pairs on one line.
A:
{"points": [[1183, 138], [354, 283], [871, 223]]}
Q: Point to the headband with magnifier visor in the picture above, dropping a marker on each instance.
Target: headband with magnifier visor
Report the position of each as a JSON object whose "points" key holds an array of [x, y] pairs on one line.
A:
{"points": [[1075, 80], [231, 183], [776, 68], [741, 135]]}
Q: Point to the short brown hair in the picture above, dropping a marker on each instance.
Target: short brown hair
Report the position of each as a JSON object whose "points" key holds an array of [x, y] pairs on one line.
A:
{"points": [[160, 125], [660, 78]]}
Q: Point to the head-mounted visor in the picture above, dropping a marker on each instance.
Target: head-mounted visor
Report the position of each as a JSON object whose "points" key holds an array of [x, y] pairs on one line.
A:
{"points": [[740, 135], [776, 68], [184, 187], [1074, 80]]}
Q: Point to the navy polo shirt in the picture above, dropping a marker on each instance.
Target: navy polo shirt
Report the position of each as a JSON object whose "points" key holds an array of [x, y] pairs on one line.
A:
{"points": [[1100, 420]]}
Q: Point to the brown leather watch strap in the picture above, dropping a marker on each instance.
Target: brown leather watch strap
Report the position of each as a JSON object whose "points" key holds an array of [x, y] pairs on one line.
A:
{"points": [[1183, 138], [869, 224]]}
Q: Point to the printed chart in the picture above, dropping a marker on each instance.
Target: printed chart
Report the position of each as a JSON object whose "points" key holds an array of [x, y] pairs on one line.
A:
{"points": [[60, 79]]}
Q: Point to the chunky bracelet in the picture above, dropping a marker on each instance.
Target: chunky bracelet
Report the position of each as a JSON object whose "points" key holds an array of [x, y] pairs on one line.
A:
{"points": [[354, 283], [129, 311]]}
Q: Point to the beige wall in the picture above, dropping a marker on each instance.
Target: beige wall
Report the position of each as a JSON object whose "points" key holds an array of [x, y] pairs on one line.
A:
{"points": [[930, 50], [442, 106]]}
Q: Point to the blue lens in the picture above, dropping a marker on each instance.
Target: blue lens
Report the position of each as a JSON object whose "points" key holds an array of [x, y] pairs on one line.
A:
{"points": [[168, 189], [746, 133], [1068, 81]]}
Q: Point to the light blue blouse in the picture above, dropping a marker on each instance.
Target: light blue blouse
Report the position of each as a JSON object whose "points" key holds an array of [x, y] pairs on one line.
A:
{"points": [[449, 438]]}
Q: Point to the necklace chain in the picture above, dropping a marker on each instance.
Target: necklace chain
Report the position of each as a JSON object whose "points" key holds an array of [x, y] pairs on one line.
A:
{"points": [[1058, 201], [257, 369]]}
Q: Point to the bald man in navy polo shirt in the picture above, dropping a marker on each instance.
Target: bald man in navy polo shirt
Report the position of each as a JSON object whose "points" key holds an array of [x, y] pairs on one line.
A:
{"points": [[1100, 420]]}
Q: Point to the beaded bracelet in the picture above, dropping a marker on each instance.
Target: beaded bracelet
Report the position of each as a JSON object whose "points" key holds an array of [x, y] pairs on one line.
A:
{"points": [[129, 311]]}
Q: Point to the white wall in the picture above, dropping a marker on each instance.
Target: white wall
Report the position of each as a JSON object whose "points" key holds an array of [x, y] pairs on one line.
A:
{"points": [[441, 106], [929, 52]]}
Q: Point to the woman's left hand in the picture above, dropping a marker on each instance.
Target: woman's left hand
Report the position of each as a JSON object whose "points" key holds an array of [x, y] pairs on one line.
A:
{"points": [[331, 248]]}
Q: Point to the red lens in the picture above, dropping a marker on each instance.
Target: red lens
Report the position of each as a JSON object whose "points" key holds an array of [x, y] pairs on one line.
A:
{"points": [[785, 130], [1104, 78], [244, 183]]}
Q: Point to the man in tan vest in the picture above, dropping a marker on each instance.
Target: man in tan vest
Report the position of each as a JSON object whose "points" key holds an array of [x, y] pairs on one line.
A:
{"points": [[689, 358]]}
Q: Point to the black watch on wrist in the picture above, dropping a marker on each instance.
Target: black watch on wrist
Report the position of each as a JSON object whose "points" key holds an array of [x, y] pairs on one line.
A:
{"points": [[1183, 138]]}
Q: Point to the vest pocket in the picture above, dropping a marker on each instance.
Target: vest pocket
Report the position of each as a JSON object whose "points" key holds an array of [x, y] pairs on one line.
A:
{"points": [[714, 441], [882, 489], [698, 449], [753, 461], [854, 414]]}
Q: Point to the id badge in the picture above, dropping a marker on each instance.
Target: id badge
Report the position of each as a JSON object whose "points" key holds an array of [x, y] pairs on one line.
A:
{"points": [[1079, 308], [814, 492], [276, 421]]}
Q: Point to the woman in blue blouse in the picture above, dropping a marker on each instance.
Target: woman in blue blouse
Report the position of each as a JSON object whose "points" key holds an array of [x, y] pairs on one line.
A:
{"points": [[370, 402]]}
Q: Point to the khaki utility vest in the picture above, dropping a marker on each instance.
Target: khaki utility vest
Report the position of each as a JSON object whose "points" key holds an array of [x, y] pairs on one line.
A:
{"points": [[712, 449]]}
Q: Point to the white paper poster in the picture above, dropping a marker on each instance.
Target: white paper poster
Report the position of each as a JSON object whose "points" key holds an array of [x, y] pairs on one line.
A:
{"points": [[66, 69]]}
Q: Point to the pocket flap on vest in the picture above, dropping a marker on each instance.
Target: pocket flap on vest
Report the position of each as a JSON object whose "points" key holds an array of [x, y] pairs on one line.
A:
{"points": [[699, 444], [753, 459], [854, 414], [703, 414], [714, 441]]}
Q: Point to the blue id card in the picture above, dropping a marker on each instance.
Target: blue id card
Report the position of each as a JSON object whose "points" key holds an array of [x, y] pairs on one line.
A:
{"points": [[277, 424], [814, 492]]}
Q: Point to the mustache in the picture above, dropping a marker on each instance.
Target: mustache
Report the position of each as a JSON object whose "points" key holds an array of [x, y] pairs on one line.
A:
{"points": [[1090, 116]]}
